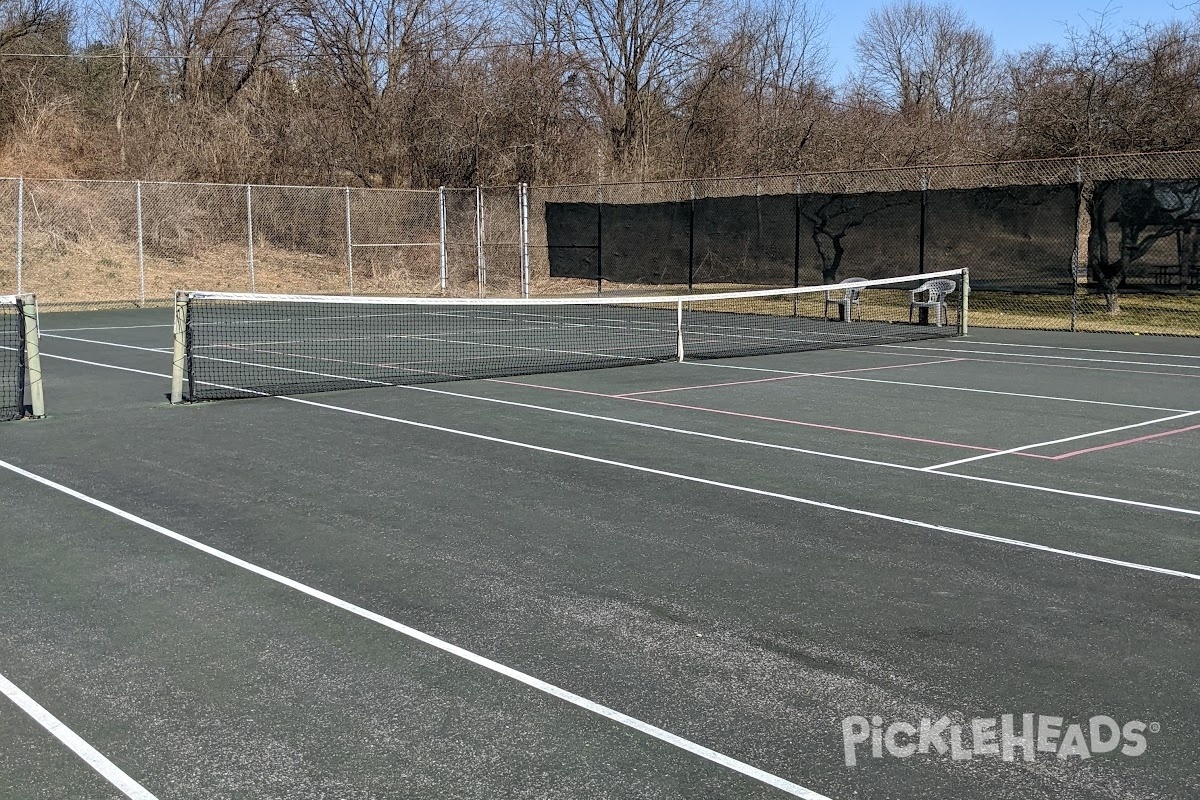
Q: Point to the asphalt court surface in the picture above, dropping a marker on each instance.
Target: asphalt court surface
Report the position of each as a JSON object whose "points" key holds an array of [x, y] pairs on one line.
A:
{"points": [[672, 580]]}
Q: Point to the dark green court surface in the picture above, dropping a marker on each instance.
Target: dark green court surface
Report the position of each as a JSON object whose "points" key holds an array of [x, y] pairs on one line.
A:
{"points": [[715, 579]]}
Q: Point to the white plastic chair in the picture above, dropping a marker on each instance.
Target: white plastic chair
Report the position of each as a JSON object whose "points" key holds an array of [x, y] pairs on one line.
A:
{"points": [[847, 296], [936, 292]]}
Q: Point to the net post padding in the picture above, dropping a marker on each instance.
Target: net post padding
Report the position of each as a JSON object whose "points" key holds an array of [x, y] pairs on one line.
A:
{"points": [[679, 329], [33, 355], [963, 302], [179, 347]]}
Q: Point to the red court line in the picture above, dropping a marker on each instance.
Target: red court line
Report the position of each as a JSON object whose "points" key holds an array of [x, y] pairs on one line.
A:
{"points": [[789, 377], [838, 428], [1078, 366], [1124, 442]]}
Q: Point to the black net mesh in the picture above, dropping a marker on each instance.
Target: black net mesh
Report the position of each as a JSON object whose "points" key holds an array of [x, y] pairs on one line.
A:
{"points": [[246, 345], [12, 360]]}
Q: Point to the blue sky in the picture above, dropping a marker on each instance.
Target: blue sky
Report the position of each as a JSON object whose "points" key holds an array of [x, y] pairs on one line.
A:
{"points": [[1014, 24]]}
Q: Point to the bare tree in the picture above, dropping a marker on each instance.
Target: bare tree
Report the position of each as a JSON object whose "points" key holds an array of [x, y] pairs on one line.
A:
{"points": [[21, 19], [634, 56], [927, 61], [1108, 90], [754, 98]]}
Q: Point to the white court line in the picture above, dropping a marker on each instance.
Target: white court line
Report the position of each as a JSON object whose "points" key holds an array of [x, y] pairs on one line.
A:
{"points": [[1036, 445], [747, 490], [106, 366], [701, 434], [107, 328], [90, 755], [935, 386], [819, 453], [1051, 358], [1076, 349], [110, 344], [481, 661]]}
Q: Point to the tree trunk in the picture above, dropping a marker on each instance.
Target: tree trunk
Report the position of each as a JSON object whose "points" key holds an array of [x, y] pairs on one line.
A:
{"points": [[1112, 301]]}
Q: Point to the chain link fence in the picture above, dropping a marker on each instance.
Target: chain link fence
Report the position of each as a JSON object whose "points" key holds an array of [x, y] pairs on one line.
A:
{"points": [[1107, 243], [1103, 243], [91, 244]]}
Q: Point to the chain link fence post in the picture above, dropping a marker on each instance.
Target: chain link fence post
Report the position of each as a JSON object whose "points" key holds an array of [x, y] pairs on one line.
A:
{"points": [[349, 243], [523, 203], [481, 264], [250, 237], [21, 235], [443, 258], [141, 249]]}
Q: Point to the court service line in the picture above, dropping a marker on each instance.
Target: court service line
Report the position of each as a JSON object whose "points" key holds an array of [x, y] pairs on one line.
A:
{"points": [[804, 451], [940, 386], [1050, 358], [1023, 448], [74, 742], [48, 335], [107, 328], [790, 376], [703, 434], [759, 417], [1077, 349], [460, 652], [840, 429], [750, 490], [106, 366], [1124, 442]]}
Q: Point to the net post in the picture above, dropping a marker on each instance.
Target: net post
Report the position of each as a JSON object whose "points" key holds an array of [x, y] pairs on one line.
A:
{"points": [[179, 348], [679, 329], [33, 355], [963, 302]]}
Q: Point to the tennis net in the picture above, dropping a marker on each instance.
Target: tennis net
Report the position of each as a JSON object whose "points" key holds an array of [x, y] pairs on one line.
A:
{"points": [[245, 345], [20, 373]]}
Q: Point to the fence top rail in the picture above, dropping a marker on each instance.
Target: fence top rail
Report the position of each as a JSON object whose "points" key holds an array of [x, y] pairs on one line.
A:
{"points": [[1059, 161], [242, 186]]}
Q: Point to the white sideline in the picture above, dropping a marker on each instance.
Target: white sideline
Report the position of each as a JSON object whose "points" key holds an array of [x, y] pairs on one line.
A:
{"points": [[46, 335], [90, 755], [934, 386], [750, 490], [687, 432], [106, 328], [1050, 358], [482, 661], [1065, 439], [973, 340]]}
